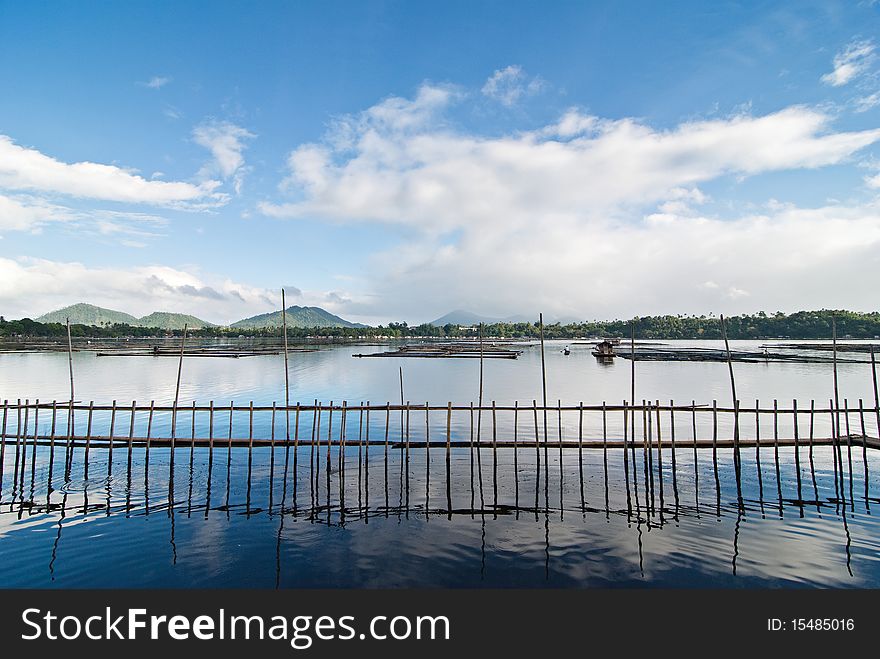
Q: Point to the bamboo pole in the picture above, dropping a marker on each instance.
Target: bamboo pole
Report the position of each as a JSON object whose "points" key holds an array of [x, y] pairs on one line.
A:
{"points": [[286, 368], [448, 460], [659, 456], [130, 432], [864, 450], [736, 456], [559, 426], [776, 452], [229, 457], [34, 447], [18, 427], [110, 443], [494, 463], [715, 453], [632, 393], [177, 390], [3, 444], [696, 460], [797, 458], [876, 391], [849, 453], [427, 457], [537, 458], [648, 447], [626, 459], [604, 455], [343, 427], [836, 401], [51, 451], [149, 435], [295, 459], [837, 486], [387, 429], [21, 443], [480, 418], [672, 451], [70, 419], [313, 454], [360, 451], [516, 455], [581, 453], [544, 389], [471, 449], [812, 465], [88, 440]]}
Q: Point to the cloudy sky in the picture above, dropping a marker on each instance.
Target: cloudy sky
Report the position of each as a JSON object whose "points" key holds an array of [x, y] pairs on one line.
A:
{"points": [[397, 160]]}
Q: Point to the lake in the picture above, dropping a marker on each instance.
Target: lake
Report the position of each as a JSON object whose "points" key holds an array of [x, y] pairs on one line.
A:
{"points": [[389, 517]]}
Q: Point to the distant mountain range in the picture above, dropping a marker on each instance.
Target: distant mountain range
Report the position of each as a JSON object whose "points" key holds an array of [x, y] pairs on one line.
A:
{"points": [[461, 317], [296, 317], [89, 314]]}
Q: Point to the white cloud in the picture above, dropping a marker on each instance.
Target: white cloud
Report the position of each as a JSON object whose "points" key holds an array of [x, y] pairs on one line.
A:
{"points": [[32, 286], [157, 82], [849, 63], [559, 218], [22, 168], [418, 172], [227, 143], [25, 213], [29, 213], [865, 103], [873, 182], [510, 84], [664, 263]]}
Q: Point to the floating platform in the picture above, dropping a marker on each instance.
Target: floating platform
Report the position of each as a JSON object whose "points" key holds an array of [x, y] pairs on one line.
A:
{"points": [[448, 351]]}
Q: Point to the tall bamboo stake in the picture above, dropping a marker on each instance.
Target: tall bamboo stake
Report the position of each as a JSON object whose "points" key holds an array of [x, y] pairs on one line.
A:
{"points": [[448, 459], [177, 391], [3, 444], [480, 418], [286, 385], [876, 392], [516, 455], [544, 392], [632, 368], [581, 452], [864, 450], [70, 429], [836, 448], [736, 455], [797, 458]]}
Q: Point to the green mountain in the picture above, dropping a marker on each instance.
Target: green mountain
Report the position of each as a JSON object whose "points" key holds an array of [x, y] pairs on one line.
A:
{"points": [[296, 317], [87, 314], [172, 321]]}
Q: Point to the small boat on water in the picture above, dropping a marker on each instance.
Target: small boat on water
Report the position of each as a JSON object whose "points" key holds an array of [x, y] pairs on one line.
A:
{"points": [[566, 350], [604, 350]]}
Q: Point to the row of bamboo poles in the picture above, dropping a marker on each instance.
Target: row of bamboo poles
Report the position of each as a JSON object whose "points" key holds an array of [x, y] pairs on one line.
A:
{"points": [[291, 436]]}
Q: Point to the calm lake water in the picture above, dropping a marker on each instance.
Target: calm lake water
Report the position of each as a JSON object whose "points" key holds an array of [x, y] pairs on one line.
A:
{"points": [[388, 518]]}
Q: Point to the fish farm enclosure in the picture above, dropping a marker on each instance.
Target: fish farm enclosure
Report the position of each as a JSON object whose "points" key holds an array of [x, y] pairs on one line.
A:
{"points": [[525, 493]]}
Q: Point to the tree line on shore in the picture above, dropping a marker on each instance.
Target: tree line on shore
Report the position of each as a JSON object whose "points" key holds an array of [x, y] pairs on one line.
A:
{"points": [[800, 325]]}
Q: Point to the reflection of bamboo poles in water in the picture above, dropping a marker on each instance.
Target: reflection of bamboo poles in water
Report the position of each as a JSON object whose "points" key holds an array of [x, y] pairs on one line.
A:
{"points": [[31, 414], [35, 431]]}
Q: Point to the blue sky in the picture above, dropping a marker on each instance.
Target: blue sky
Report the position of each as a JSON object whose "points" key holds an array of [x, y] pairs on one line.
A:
{"points": [[396, 160]]}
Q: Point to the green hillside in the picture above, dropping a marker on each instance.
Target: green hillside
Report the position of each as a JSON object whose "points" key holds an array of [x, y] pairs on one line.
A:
{"points": [[88, 314], [304, 317], [172, 321]]}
